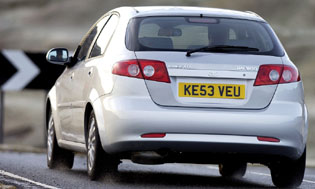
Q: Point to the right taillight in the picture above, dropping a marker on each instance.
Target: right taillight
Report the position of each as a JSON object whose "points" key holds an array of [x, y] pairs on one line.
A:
{"points": [[145, 69], [271, 74], [154, 70], [290, 74]]}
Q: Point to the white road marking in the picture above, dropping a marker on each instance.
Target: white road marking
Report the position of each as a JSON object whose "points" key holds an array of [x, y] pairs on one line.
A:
{"points": [[25, 179], [257, 173], [213, 167], [264, 174], [26, 70], [261, 174], [309, 181]]}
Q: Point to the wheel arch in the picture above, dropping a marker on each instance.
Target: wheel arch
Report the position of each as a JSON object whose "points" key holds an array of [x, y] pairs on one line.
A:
{"points": [[52, 106], [96, 107], [87, 112], [48, 109], [47, 112]]}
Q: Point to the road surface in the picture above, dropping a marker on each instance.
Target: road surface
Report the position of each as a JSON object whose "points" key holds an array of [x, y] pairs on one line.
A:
{"points": [[29, 170]]}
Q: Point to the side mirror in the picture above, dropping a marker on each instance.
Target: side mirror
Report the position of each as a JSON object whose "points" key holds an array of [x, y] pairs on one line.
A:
{"points": [[58, 56]]}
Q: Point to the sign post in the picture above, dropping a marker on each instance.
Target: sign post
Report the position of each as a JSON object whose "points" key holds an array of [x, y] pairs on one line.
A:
{"points": [[1, 115]]}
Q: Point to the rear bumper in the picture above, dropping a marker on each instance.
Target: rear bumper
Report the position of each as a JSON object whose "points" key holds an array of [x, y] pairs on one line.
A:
{"points": [[210, 148], [123, 119]]}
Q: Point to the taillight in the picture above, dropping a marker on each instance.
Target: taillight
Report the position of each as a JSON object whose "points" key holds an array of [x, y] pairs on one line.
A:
{"points": [[290, 74], [146, 69], [271, 74], [128, 68], [154, 70]]}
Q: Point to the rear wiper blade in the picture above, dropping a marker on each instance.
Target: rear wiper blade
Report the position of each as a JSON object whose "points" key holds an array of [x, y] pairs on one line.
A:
{"points": [[220, 48]]}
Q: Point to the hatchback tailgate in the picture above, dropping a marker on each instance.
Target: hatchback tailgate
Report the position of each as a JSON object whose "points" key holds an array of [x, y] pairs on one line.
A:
{"points": [[212, 80]]}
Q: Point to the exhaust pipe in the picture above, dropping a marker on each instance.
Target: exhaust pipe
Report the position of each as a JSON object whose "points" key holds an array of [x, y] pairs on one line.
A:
{"points": [[147, 158]]}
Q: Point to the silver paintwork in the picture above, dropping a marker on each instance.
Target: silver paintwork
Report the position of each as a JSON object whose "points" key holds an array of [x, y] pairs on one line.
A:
{"points": [[194, 11], [126, 107], [284, 118], [226, 69]]}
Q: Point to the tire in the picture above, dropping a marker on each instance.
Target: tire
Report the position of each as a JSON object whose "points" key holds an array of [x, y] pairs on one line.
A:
{"points": [[233, 169], [288, 173], [57, 157], [98, 161]]}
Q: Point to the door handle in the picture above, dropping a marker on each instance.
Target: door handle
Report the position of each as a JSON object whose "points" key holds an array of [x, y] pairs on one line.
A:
{"points": [[72, 75], [90, 72]]}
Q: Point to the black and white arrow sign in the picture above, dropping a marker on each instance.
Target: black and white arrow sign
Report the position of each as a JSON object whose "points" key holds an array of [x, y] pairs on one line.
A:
{"points": [[26, 70], [20, 70]]}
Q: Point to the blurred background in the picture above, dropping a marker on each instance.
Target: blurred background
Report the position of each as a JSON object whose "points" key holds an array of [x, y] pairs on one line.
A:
{"points": [[38, 25]]}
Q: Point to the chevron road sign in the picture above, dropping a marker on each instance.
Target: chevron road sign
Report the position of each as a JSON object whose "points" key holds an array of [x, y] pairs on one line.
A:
{"points": [[25, 70]]}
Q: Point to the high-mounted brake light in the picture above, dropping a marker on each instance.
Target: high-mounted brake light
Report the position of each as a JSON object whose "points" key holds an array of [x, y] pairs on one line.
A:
{"points": [[271, 74], [145, 69]]}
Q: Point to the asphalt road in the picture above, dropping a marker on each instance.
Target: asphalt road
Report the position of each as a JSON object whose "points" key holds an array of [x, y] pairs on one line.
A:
{"points": [[28, 170]]}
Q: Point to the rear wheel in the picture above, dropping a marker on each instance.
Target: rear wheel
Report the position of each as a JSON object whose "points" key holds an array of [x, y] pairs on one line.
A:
{"points": [[233, 169], [56, 156], [288, 173], [97, 159]]}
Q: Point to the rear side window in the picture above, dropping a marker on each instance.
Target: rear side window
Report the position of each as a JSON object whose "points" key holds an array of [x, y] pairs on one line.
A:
{"points": [[188, 33], [90, 37], [105, 36]]}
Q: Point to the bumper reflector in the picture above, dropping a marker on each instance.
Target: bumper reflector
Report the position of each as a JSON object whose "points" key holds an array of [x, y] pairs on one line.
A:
{"points": [[153, 135], [268, 139]]}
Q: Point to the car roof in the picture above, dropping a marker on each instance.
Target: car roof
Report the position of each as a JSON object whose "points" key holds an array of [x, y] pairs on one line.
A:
{"points": [[144, 11]]}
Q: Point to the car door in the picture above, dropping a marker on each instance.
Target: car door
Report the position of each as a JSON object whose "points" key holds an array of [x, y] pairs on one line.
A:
{"points": [[79, 78], [63, 88], [83, 82]]}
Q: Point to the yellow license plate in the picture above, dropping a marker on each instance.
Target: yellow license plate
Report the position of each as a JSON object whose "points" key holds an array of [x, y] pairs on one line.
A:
{"points": [[207, 90]]}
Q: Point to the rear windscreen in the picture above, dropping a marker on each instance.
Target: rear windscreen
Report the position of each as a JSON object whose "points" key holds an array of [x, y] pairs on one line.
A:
{"points": [[188, 33]]}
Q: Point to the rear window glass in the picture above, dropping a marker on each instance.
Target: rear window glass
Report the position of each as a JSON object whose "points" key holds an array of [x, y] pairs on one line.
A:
{"points": [[188, 33]]}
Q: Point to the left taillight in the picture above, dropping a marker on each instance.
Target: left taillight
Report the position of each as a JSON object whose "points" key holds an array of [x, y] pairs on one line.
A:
{"points": [[145, 69], [129, 68], [271, 74]]}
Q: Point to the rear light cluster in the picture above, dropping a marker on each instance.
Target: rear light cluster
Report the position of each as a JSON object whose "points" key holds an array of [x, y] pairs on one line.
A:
{"points": [[145, 69], [270, 74]]}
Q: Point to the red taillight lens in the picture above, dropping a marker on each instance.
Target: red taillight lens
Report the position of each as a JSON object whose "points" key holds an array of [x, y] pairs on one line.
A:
{"points": [[154, 70], [128, 68], [149, 69], [271, 74], [290, 74], [268, 75]]}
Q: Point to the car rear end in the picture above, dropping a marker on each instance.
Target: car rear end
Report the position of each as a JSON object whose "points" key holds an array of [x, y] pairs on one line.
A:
{"points": [[223, 101]]}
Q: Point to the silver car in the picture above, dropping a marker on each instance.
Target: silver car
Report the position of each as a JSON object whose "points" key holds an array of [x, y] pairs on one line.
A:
{"points": [[179, 84]]}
